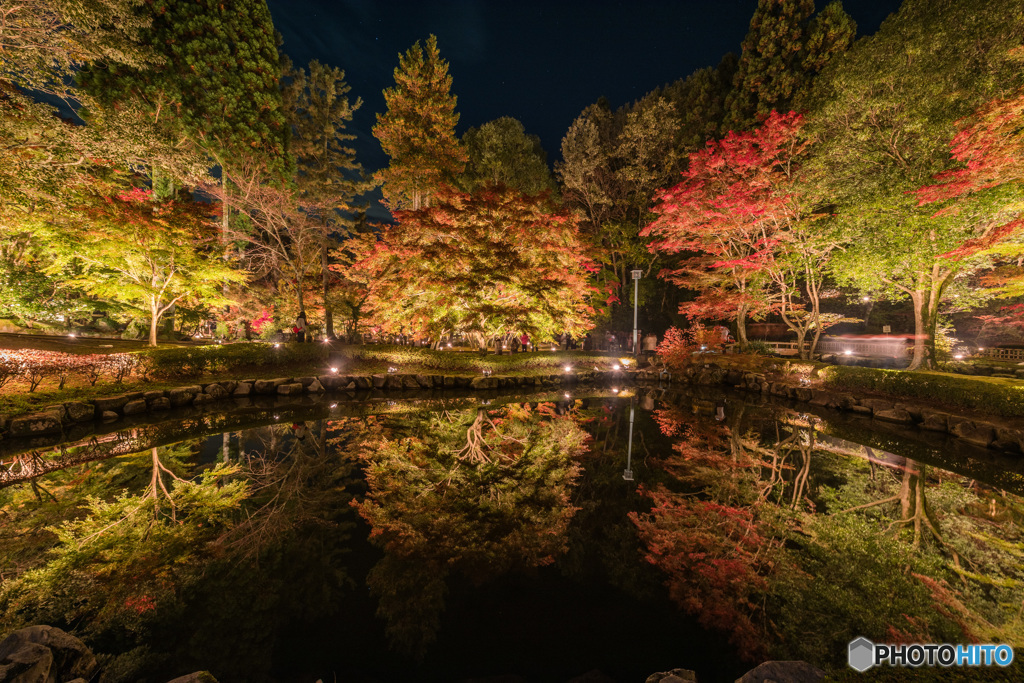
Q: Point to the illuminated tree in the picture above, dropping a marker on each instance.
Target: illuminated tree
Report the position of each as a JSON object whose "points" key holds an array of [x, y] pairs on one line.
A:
{"points": [[418, 130], [328, 177], [736, 201], [216, 84], [990, 148], [782, 51], [613, 163], [485, 264], [152, 255], [884, 123]]}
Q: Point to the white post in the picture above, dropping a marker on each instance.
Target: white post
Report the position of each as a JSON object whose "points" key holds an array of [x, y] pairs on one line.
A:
{"points": [[636, 289]]}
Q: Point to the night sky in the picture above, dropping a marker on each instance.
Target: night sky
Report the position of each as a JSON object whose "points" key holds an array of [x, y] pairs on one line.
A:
{"points": [[540, 61]]}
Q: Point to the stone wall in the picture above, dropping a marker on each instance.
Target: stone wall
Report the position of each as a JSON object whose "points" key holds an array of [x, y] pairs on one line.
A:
{"points": [[966, 428], [56, 418]]}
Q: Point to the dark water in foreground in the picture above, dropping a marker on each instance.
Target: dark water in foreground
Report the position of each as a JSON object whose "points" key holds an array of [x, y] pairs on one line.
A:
{"points": [[462, 539]]}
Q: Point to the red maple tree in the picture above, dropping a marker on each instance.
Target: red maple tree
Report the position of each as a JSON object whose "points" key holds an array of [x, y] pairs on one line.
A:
{"points": [[726, 215]]}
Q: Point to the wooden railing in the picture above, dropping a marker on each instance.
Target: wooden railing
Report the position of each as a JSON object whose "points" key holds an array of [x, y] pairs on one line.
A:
{"points": [[895, 348], [1003, 354]]}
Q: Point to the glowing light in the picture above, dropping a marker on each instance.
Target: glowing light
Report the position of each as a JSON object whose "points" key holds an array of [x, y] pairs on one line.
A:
{"points": [[616, 367], [392, 369], [981, 348], [703, 347], [959, 356], [615, 390], [567, 396], [847, 352], [625, 362], [865, 298], [334, 405], [327, 341], [334, 369], [71, 334], [449, 345], [568, 368], [277, 346]]}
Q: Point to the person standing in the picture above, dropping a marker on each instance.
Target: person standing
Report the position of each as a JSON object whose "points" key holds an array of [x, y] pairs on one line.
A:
{"points": [[524, 342], [300, 327]]}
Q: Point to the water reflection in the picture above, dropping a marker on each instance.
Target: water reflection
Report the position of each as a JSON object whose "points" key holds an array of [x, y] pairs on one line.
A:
{"points": [[476, 492], [793, 542], [360, 537]]}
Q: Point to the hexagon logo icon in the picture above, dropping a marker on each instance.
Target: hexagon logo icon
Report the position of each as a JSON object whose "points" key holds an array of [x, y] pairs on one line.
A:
{"points": [[862, 654]]}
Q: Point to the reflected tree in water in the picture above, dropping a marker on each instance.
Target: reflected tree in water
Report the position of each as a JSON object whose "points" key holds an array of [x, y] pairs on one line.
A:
{"points": [[709, 532], [117, 558], [138, 546], [793, 542], [478, 492]]}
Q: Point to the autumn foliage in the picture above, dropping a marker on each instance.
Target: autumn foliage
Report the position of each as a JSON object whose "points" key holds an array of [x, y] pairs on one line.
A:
{"points": [[990, 149], [725, 215], [488, 263]]}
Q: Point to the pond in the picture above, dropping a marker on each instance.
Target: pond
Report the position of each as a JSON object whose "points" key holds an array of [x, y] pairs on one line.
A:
{"points": [[535, 537]]}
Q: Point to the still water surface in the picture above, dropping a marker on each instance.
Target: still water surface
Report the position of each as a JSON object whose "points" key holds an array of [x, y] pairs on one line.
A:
{"points": [[540, 539]]}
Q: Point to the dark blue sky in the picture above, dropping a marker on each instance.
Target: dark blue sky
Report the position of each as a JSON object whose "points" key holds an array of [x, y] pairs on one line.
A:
{"points": [[540, 61]]}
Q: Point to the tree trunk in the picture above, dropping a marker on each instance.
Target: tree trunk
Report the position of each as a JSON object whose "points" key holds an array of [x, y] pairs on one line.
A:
{"points": [[328, 313], [741, 324], [917, 297], [154, 318]]}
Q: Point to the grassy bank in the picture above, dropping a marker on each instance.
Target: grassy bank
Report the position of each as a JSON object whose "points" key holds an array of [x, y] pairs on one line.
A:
{"points": [[166, 367], [991, 395]]}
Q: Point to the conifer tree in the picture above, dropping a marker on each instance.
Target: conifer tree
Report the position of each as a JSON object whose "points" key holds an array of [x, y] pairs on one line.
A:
{"points": [[216, 82], [782, 51], [328, 178], [418, 130]]}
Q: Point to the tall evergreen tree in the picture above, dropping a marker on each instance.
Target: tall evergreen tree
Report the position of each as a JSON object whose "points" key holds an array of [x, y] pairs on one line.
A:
{"points": [[216, 82], [328, 177], [782, 51], [417, 131]]}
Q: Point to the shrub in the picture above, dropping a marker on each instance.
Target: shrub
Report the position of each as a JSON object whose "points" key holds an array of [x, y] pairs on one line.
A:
{"points": [[201, 360], [757, 347], [989, 395]]}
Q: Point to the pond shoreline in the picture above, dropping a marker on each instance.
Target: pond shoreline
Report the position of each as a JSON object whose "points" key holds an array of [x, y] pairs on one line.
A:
{"points": [[968, 428], [63, 417]]}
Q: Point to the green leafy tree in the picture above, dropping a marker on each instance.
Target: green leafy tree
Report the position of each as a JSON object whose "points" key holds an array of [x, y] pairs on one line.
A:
{"points": [[613, 162], [500, 151], [216, 83], [417, 131], [152, 255], [700, 103], [885, 123]]}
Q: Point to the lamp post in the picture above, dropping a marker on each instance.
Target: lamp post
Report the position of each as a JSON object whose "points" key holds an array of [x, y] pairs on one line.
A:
{"points": [[637, 274]]}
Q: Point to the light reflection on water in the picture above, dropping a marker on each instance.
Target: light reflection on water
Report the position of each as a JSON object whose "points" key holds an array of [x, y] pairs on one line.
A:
{"points": [[547, 538]]}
